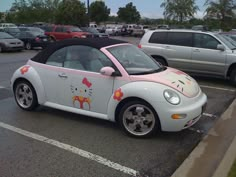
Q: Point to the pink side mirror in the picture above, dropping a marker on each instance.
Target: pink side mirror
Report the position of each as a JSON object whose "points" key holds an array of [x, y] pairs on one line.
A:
{"points": [[107, 71]]}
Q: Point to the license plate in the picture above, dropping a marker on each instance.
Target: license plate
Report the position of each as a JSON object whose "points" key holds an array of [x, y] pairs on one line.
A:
{"points": [[44, 39]]}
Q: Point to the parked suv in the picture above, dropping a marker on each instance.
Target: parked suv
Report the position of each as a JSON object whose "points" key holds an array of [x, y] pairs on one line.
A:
{"points": [[60, 32], [193, 51]]}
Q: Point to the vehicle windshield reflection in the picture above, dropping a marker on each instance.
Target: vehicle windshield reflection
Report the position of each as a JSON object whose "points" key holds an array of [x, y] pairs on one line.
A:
{"points": [[134, 60]]}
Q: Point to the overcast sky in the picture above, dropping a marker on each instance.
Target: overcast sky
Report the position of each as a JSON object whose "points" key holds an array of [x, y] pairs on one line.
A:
{"points": [[147, 8]]}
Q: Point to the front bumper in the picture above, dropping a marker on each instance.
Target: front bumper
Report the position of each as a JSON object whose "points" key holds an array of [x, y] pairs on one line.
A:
{"points": [[15, 48], [193, 109]]}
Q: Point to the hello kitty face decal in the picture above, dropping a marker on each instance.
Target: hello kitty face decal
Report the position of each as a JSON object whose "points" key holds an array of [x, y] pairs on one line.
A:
{"points": [[179, 79], [82, 94]]}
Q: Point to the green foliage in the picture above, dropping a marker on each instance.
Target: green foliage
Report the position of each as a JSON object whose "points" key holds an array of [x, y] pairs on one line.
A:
{"points": [[71, 12], [222, 10], [179, 10], [99, 12], [129, 13], [52, 11], [232, 172]]}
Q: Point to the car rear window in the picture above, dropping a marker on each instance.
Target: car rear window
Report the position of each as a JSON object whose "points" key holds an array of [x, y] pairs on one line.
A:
{"points": [[158, 38], [180, 39]]}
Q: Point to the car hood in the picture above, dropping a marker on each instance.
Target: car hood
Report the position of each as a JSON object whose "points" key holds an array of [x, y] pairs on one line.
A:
{"points": [[173, 78]]}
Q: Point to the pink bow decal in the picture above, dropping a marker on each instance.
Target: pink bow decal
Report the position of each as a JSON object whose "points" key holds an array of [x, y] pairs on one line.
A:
{"points": [[86, 82]]}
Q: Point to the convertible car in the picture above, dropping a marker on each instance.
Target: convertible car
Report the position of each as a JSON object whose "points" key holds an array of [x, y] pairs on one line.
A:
{"points": [[112, 80]]}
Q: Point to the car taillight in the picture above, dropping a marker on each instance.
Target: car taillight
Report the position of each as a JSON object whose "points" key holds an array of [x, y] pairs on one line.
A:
{"points": [[140, 46], [37, 39]]}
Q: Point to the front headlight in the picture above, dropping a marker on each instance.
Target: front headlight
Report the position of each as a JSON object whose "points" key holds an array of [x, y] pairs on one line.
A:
{"points": [[172, 97]]}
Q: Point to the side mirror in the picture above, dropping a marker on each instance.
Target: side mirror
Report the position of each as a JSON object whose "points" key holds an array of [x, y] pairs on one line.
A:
{"points": [[220, 47], [107, 71], [68, 31]]}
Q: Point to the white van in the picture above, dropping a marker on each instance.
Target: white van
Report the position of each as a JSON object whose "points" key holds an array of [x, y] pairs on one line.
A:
{"points": [[7, 25]]}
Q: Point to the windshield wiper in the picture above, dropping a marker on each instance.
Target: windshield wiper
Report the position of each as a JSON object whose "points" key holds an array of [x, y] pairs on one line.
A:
{"points": [[151, 71]]}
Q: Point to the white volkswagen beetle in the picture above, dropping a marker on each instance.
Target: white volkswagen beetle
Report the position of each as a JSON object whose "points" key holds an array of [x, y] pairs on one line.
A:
{"points": [[111, 80]]}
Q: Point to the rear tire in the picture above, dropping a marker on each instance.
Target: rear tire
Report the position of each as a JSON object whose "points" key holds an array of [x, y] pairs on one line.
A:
{"points": [[233, 77], [25, 95], [28, 46], [1, 49]]}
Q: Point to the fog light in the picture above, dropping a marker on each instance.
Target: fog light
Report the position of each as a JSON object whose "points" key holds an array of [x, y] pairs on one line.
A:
{"points": [[178, 116]]}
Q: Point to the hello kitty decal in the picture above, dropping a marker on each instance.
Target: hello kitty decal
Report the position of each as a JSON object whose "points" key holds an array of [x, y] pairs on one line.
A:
{"points": [[82, 94], [179, 79]]}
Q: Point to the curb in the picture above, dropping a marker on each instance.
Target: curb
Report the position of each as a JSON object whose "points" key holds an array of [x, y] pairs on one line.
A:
{"points": [[227, 162], [214, 155]]}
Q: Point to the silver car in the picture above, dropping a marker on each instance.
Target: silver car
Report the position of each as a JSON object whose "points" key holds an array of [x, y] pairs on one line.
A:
{"points": [[193, 51], [10, 43]]}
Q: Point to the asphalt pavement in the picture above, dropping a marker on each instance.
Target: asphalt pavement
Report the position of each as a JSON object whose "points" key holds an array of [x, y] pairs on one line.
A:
{"points": [[48, 142]]}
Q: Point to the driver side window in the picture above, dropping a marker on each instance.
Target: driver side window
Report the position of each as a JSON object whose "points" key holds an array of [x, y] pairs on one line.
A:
{"points": [[205, 41], [57, 58]]}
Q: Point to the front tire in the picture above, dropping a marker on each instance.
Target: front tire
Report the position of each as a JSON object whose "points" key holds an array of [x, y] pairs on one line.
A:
{"points": [[25, 95], [138, 119]]}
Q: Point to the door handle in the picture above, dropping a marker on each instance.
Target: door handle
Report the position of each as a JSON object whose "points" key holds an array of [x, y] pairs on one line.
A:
{"points": [[62, 75], [196, 50], [167, 46]]}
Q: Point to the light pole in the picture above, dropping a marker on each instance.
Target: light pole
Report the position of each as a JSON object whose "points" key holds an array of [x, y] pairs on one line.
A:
{"points": [[88, 12]]}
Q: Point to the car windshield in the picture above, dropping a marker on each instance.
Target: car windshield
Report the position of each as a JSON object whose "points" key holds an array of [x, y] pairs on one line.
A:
{"points": [[5, 36], [134, 60], [36, 30], [75, 29], [227, 40], [93, 30], [13, 30]]}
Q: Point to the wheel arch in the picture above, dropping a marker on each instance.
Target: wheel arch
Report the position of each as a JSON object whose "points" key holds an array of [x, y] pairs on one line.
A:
{"points": [[230, 69], [24, 79], [33, 78], [161, 57]]}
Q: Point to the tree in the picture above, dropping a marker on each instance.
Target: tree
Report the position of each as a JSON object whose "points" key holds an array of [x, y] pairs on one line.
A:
{"points": [[222, 10], [29, 11], [71, 12], [99, 11], [129, 13], [179, 9]]}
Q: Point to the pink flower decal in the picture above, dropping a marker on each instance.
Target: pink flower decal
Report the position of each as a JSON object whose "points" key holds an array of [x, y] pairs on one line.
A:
{"points": [[24, 69], [118, 95]]}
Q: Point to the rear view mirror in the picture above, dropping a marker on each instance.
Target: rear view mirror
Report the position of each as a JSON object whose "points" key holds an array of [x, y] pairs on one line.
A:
{"points": [[220, 47]]}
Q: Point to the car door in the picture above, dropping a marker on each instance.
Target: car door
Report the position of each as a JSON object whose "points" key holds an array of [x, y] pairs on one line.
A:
{"points": [[178, 50], [58, 33], [53, 77], [206, 58], [87, 89]]}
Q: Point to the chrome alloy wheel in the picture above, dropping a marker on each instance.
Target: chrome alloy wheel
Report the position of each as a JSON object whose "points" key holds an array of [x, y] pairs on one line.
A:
{"points": [[24, 95], [139, 120]]}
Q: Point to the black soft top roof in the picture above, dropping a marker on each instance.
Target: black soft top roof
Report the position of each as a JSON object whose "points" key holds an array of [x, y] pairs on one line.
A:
{"points": [[97, 43]]}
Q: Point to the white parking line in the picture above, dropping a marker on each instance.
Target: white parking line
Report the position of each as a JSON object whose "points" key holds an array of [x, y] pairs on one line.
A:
{"points": [[72, 149], [217, 88], [209, 115], [196, 130], [1, 87]]}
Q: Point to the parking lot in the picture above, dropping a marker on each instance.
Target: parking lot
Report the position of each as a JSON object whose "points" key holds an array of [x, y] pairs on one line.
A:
{"points": [[50, 143]]}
